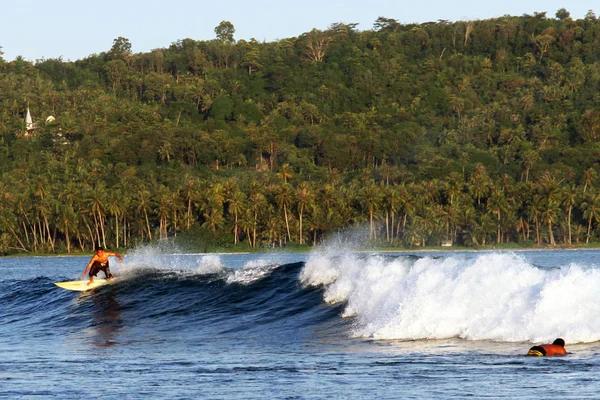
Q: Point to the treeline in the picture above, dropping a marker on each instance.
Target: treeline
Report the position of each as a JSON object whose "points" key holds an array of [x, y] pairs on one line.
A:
{"points": [[472, 131]]}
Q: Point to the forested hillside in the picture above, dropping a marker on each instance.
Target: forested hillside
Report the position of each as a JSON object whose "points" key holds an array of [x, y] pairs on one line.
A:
{"points": [[478, 132]]}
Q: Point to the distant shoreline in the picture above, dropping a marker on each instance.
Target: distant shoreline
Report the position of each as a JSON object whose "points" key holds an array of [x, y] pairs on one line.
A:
{"points": [[307, 249]]}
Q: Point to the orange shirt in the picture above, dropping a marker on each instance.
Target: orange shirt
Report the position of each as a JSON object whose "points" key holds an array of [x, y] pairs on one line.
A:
{"points": [[553, 349]]}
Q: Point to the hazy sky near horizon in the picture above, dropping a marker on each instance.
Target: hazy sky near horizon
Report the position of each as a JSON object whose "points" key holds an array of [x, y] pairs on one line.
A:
{"points": [[74, 29]]}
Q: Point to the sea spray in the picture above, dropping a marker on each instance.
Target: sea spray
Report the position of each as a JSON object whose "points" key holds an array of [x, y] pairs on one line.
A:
{"points": [[252, 272], [489, 296], [166, 256], [210, 264]]}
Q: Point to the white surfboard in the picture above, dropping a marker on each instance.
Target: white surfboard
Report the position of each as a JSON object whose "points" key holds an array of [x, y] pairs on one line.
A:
{"points": [[82, 286]]}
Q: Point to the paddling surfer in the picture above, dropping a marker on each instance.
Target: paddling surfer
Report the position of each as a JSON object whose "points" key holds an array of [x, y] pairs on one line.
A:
{"points": [[99, 262], [557, 348]]}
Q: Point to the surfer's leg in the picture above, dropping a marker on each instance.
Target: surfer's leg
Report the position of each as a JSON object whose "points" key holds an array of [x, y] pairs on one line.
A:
{"points": [[106, 271], [537, 351], [93, 272]]}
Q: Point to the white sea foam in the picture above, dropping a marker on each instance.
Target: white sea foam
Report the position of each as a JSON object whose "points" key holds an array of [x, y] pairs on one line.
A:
{"points": [[492, 296], [252, 271], [165, 257], [210, 264]]}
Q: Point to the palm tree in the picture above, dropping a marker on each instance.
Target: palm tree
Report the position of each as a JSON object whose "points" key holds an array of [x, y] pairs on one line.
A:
{"points": [[486, 227], [217, 192], [431, 191], [43, 209], [67, 215], [143, 199], [237, 202], [191, 195], [430, 222], [479, 183], [578, 232], [529, 159], [496, 205], [467, 217], [175, 206], [414, 232], [8, 222], [272, 231], [453, 186], [449, 214], [284, 200], [165, 151], [96, 199], [392, 204], [126, 210], [589, 176], [370, 198], [569, 199], [247, 224], [534, 211], [256, 204], [213, 220], [408, 205], [67, 219], [304, 196], [335, 210], [550, 215], [591, 212], [115, 205], [286, 173], [523, 227], [163, 209], [23, 206]]}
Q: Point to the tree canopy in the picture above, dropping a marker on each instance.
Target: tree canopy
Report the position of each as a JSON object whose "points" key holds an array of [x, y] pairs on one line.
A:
{"points": [[476, 132]]}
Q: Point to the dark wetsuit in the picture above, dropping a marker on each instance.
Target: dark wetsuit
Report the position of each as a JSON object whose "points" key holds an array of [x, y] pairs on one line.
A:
{"points": [[97, 266]]}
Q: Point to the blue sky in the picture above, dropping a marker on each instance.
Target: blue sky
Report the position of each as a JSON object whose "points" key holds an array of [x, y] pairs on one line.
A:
{"points": [[74, 29]]}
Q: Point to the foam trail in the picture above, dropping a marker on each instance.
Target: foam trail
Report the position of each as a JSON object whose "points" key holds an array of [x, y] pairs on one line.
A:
{"points": [[164, 256], [493, 296]]}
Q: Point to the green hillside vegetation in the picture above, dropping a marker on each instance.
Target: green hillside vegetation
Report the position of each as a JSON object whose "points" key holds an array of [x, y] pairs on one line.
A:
{"points": [[479, 132]]}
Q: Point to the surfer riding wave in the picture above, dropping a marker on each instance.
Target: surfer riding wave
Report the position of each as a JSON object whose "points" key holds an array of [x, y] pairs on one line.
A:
{"points": [[99, 262]]}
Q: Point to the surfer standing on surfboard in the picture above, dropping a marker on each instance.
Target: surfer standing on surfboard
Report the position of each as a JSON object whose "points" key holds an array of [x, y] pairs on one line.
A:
{"points": [[99, 262]]}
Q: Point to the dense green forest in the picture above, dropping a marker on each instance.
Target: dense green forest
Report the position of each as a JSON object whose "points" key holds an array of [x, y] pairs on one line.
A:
{"points": [[478, 132]]}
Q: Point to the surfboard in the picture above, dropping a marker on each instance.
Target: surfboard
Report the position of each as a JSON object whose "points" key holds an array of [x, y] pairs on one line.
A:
{"points": [[82, 286]]}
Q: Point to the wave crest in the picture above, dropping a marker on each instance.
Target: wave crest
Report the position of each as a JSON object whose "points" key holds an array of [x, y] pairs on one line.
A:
{"points": [[493, 296]]}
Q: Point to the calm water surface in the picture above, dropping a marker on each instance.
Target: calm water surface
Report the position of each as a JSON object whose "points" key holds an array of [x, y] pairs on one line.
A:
{"points": [[303, 326]]}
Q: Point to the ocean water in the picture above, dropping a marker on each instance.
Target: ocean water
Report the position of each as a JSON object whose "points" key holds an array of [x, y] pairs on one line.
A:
{"points": [[331, 324]]}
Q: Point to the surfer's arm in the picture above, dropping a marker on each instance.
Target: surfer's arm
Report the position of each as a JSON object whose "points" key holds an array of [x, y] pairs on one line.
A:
{"points": [[89, 265], [116, 255]]}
